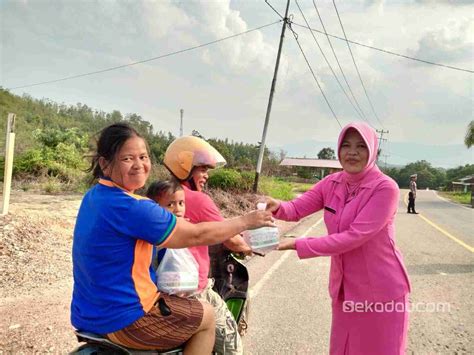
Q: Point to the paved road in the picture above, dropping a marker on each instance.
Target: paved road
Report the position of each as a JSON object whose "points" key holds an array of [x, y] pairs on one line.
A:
{"points": [[290, 309]]}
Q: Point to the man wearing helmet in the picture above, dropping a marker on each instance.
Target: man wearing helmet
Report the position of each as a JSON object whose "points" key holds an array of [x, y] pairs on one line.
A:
{"points": [[189, 159]]}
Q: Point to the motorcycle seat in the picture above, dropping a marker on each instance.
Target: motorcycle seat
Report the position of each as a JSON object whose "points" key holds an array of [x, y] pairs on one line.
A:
{"points": [[105, 346]]}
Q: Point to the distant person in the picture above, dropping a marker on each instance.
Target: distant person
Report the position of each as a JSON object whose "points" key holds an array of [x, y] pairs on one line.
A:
{"points": [[115, 293], [412, 194], [368, 282]]}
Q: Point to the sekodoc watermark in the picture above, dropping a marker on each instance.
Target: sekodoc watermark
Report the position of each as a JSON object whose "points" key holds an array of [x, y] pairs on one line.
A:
{"points": [[394, 306]]}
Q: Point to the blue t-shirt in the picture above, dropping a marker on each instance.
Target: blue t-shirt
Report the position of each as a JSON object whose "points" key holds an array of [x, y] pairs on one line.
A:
{"points": [[114, 284]]}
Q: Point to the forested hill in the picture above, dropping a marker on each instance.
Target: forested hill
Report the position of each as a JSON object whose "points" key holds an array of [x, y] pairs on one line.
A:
{"points": [[46, 115], [52, 139]]}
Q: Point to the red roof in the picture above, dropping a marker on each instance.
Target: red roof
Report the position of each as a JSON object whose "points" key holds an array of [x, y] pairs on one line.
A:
{"points": [[316, 163]]}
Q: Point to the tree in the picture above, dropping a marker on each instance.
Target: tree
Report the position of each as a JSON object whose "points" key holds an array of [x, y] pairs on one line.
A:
{"points": [[327, 153], [469, 139], [427, 175]]}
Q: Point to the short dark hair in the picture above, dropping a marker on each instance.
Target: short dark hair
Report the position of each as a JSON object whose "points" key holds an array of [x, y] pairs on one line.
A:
{"points": [[111, 139], [159, 188]]}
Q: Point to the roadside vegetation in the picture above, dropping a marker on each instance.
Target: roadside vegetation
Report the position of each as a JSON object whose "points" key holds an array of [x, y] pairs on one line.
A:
{"points": [[458, 197], [54, 141]]}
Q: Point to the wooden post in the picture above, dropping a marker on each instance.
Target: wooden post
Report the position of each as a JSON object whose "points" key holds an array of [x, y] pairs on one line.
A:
{"points": [[472, 195], [7, 174]]}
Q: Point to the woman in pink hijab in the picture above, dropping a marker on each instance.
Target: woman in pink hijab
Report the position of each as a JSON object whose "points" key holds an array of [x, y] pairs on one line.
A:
{"points": [[368, 282]]}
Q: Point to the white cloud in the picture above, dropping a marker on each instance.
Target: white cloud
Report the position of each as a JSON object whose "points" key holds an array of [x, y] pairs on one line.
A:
{"points": [[164, 19], [451, 43], [224, 87]]}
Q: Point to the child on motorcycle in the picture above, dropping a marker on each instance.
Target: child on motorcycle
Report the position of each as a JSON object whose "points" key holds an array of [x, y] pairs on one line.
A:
{"points": [[170, 195], [188, 159]]}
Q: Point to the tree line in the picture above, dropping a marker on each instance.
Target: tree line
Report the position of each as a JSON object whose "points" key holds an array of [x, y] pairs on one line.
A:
{"points": [[53, 139]]}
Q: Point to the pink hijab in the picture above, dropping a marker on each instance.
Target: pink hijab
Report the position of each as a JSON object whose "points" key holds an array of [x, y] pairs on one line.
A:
{"points": [[370, 138]]}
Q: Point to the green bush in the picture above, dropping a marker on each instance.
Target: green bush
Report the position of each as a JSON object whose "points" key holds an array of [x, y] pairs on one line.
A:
{"points": [[53, 185], [248, 179], [225, 179], [59, 155]]}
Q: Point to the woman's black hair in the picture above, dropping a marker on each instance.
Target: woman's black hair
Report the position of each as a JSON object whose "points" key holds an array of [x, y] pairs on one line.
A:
{"points": [[158, 188], [111, 140], [191, 182]]}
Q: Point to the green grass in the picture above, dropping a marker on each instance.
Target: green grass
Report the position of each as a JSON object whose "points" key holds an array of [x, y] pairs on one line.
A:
{"points": [[300, 187], [459, 197], [280, 189]]}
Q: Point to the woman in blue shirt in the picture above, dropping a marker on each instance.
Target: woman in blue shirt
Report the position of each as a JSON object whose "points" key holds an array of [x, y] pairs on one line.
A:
{"points": [[115, 292]]}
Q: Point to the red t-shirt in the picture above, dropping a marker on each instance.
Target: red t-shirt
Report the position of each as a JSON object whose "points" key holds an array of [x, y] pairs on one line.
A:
{"points": [[201, 208]]}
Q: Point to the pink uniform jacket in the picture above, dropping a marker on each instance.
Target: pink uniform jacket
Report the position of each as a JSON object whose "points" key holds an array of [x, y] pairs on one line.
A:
{"points": [[365, 263]]}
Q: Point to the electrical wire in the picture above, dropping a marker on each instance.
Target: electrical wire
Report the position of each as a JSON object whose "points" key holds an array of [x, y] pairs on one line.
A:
{"points": [[312, 72], [274, 9], [355, 65], [145, 60], [387, 51], [337, 60], [330, 67]]}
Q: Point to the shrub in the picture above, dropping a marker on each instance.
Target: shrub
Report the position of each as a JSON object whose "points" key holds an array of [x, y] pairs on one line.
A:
{"points": [[225, 179], [248, 179], [59, 155], [52, 185]]}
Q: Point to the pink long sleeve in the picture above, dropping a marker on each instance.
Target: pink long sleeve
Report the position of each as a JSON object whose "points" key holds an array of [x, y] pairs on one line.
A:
{"points": [[311, 201], [374, 216]]}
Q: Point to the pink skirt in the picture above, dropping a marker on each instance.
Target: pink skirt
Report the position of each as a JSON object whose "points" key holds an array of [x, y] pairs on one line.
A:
{"points": [[369, 328]]}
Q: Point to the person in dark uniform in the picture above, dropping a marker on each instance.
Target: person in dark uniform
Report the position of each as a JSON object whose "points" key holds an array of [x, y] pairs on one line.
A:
{"points": [[412, 194]]}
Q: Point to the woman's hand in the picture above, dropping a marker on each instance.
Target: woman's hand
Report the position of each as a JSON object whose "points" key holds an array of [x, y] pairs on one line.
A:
{"points": [[287, 244], [257, 219], [237, 244], [272, 204]]}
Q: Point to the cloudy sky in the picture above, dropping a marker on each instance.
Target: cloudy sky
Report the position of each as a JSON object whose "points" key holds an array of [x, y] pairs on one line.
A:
{"points": [[224, 87]]}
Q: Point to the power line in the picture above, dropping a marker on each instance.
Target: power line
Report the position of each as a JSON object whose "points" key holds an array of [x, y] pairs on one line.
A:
{"points": [[355, 65], [145, 60], [312, 72], [327, 62], [386, 51], [274, 9], [337, 60]]}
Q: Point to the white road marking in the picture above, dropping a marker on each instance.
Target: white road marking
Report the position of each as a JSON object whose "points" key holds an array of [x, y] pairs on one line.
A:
{"points": [[258, 286]]}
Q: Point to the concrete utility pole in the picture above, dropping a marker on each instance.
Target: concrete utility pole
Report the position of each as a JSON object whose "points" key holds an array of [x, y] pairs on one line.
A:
{"points": [[9, 150], [385, 159], [181, 124], [270, 100], [381, 139]]}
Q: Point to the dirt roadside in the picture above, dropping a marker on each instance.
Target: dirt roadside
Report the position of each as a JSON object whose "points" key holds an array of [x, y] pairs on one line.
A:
{"points": [[36, 272]]}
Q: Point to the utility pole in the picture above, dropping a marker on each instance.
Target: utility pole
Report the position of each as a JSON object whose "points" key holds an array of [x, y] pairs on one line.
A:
{"points": [[181, 124], [381, 139], [385, 160], [270, 101]]}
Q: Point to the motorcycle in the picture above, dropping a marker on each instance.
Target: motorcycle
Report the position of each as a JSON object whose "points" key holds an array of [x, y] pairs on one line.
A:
{"points": [[231, 283]]}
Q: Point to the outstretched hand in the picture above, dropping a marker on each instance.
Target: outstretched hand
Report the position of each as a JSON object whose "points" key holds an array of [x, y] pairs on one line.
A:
{"points": [[287, 244], [257, 219], [272, 204]]}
